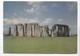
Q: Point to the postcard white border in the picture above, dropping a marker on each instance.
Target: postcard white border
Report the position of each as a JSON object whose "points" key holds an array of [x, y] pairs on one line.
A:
{"points": [[1, 32]]}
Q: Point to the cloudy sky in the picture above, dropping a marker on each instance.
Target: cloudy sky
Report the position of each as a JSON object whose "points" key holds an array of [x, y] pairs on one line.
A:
{"points": [[44, 13]]}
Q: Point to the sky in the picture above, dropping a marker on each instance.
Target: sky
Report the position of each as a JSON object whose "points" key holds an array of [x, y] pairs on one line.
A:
{"points": [[43, 13]]}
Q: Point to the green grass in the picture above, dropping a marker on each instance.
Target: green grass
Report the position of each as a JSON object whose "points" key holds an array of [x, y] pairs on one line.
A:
{"points": [[40, 45]]}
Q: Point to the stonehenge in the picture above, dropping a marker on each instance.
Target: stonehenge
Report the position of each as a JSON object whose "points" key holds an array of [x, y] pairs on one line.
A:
{"points": [[9, 30], [19, 30], [60, 30], [35, 30], [44, 31]]}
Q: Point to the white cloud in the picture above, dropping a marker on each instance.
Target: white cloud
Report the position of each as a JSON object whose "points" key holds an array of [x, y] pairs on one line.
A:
{"points": [[31, 10], [60, 21], [35, 6], [72, 6], [33, 3], [47, 21], [33, 21], [34, 9], [20, 20]]}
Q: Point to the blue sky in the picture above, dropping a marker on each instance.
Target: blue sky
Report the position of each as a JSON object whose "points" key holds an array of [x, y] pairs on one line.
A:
{"points": [[44, 13]]}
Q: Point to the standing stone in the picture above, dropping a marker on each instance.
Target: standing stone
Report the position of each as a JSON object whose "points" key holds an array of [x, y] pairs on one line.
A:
{"points": [[15, 30], [63, 31], [32, 30], [60, 30], [41, 31], [20, 30], [25, 29], [50, 32], [37, 30], [9, 31], [55, 30], [66, 30], [29, 30], [44, 31]]}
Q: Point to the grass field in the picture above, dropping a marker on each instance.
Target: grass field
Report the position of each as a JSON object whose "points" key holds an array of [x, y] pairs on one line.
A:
{"points": [[40, 45]]}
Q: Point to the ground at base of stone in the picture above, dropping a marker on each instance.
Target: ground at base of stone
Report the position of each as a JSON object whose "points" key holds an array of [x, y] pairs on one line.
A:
{"points": [[40, 45]]}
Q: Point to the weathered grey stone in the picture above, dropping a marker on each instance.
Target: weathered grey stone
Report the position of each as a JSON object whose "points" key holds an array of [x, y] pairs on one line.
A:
{"points": [[15, 33], [63, 31], [54, 31], [50, 32], [9, 31], [37, 30], [19, 30], [44, 31], [25, 29], [66, 31], [60, 30], [33, 29], [29, 31]]}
